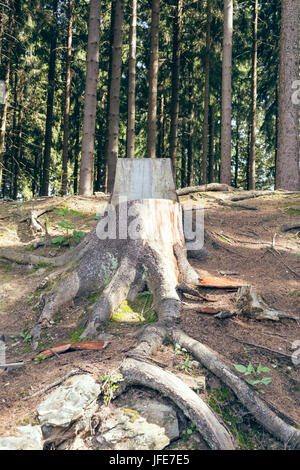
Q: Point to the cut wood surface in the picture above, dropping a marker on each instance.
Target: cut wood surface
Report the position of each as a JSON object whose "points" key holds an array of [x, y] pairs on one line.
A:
{"points": [[206, 280], [144, 178]]}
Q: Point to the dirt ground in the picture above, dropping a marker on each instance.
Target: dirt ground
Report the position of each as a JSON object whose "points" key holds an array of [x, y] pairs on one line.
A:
{"points": [[239, 241]]}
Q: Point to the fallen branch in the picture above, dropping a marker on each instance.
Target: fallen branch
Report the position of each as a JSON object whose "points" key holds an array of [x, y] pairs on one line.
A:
{"points": [[221, 202], [259, 346], [203, 188], [61, 348], [290, 226], [277, 255], [54, 384]]}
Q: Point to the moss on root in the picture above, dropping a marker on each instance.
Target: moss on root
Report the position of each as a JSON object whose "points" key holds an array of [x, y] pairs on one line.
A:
{"points": [[137, 311]]}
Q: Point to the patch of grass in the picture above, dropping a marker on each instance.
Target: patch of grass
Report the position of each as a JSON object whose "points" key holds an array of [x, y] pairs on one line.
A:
{"points": [[288, 204], [94, 297], [292, 211], [220, 400], [74, 335], [294, 293], [6, 267], [29, 248], [7, 277], [40, 266]]}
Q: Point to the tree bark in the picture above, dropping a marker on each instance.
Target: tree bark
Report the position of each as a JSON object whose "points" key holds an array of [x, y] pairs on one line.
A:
{"points": [[114, 98], [76, 147], [64, 185], [132, 81], [153, 80], [7, 78], [90, 103], [50, 102], [287, 171], [206, 92], [225, 176], [161, 145], [175, 84], [211, 159], [251, 173], [190, 140]]}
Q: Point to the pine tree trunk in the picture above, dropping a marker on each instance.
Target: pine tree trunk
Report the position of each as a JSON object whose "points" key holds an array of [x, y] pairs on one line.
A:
{"points": [[132, 81], [114, 98], [153, 80], [225, 176], [161, 145], [90, 102], [64, 185], [206, 92], [251, 175], [190, 140], [211, 153], [50, 102], [175, 84], [76, 146], [287, 174], [11, 21], [237, 156]]}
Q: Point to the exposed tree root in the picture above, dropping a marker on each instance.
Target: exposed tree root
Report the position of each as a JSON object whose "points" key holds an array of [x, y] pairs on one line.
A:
{"points": [[120, 268], [213, 362], [142, 373], [290, 226]]}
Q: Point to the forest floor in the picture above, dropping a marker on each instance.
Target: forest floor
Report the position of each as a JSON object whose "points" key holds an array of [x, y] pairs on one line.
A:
{"points": [[240, 249]]}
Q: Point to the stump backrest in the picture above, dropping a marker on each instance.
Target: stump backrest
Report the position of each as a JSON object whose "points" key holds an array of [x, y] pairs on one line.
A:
{"points": [[144, 178]]}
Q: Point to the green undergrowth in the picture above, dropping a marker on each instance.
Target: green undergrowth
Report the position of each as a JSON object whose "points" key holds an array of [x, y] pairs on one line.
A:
{"points": [[247, 433], [292, 211], [74, 335]]}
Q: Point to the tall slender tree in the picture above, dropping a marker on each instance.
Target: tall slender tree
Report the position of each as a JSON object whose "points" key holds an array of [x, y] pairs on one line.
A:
{"points": [[64, 185], [251, 165], [90, 102], [225, 173], [287, 171], [131, 81], [114, 98], [11, 23], [153, 80], [175, 83], [206, 92], [50, 101]]}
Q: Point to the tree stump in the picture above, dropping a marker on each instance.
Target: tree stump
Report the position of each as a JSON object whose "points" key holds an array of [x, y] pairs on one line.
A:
{"points": [[139, 243]]}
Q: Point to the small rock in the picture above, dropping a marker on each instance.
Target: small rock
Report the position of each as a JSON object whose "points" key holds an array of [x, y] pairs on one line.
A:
{"points": [[30, 438], [105, 337], [196, 383], [69, 402], [122, 430]]}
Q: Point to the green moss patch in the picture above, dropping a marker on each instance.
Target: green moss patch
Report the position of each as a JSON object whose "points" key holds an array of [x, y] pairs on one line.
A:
{"points": [[137, 311]]}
